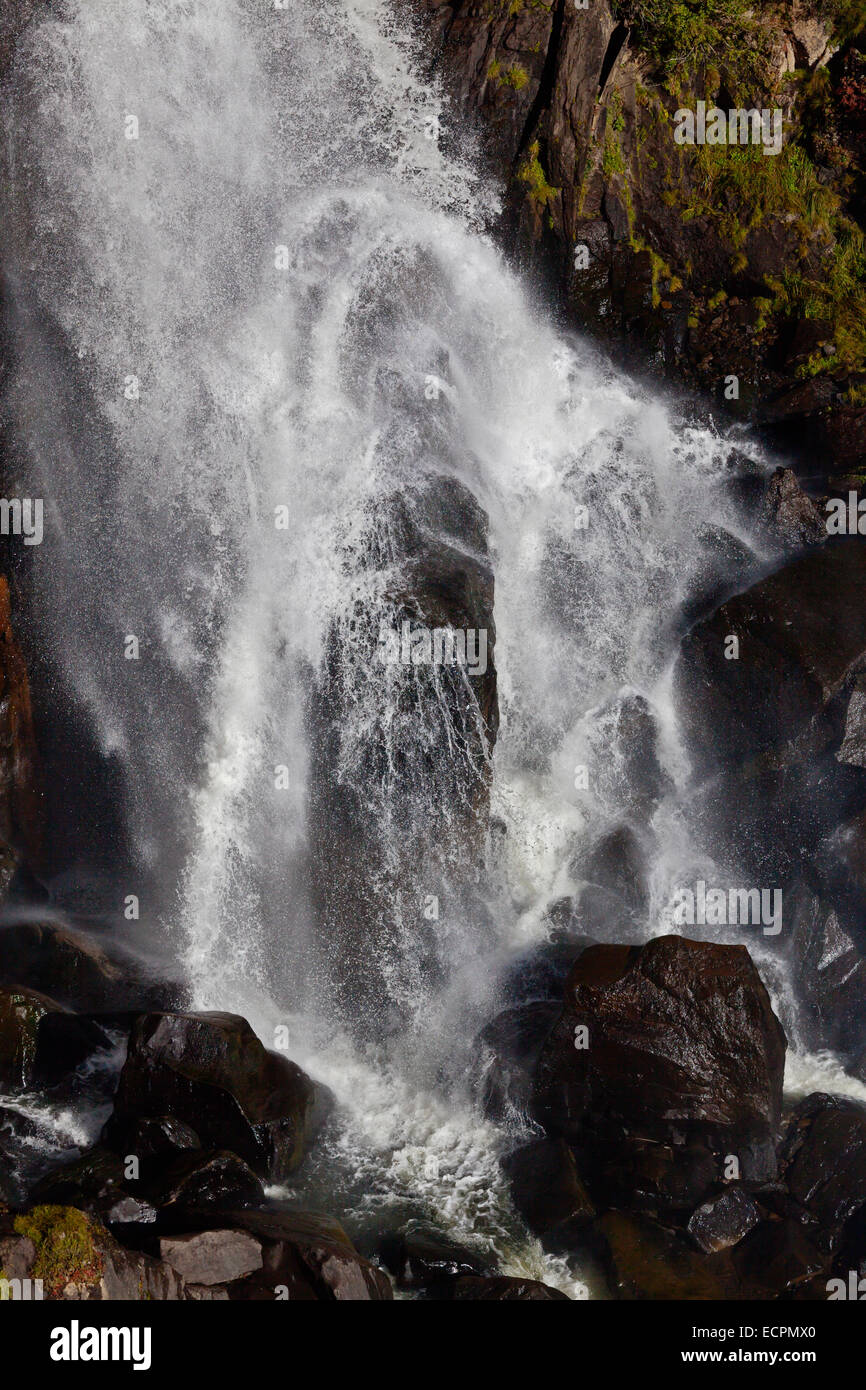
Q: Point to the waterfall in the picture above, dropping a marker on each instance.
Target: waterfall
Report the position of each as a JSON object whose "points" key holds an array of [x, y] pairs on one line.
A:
{"points": [[255, 301]]}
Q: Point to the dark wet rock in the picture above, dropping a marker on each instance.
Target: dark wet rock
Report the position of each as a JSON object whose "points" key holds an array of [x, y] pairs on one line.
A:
{"points": [[41, 1043], [547, 1191], [204, 1180], [211, 1072], [802, 639], [20, 799], [96, 1183], [846, 438], [507, 1052], [828, 971], [648, 1261], [539, 973], [306, 1257], [724, 1220], [853, 748], [684, 1051], [725, 563], [423, 1256], [212, 1257], [789, 513], [776, 1258], [655, 1177], [824, 1163], [148, 1137], [502, 1290], [76, 969]]}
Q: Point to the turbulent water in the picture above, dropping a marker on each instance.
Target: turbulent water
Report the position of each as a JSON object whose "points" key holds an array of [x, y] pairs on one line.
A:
{"points": [[254, 295]]}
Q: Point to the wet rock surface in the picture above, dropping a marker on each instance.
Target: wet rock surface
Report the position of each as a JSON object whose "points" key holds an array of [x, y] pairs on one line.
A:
{"points": [[672, 1044], [211, 1072]]}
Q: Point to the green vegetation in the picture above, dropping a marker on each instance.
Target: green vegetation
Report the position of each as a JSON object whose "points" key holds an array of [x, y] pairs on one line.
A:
{"points": [[839, 296], [514, 76], [66, 1251], [845, 18], [532, 174], [739, 188], [688, 36]]}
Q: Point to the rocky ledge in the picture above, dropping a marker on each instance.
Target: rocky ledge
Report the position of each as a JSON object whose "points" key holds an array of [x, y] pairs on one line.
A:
{"points": [[702, 262]]}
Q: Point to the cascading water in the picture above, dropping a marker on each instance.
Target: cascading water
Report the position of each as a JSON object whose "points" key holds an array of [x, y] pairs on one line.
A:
{"points": [[254, 302]]}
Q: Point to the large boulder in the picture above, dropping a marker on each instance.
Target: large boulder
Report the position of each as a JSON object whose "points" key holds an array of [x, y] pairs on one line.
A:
{"points": [[211, 1072], [665, 1065], [508, 1049], [547, 1190], [212, 1257], [770, 697], [96, 1183], [824, 1164], [828, 970], [163, 1188]]}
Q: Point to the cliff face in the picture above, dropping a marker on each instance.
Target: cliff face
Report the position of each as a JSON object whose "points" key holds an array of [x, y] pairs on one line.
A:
{"points": [[701, 261]]}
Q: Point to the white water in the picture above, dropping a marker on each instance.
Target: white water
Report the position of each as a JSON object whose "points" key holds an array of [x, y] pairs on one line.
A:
{"points": [[304, 387]]}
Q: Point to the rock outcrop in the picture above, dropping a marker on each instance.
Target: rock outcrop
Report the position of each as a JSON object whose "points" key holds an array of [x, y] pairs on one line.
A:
{"points": [[664, 1072], [211, 1072], [705, 262]]}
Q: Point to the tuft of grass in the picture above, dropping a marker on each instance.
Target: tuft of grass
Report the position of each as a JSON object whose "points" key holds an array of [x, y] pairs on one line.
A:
{"points": [[514, 76]]}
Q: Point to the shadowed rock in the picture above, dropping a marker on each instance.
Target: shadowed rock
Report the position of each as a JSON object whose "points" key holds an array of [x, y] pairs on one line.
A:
{"points": [[666, 1055], [211, 1072]]}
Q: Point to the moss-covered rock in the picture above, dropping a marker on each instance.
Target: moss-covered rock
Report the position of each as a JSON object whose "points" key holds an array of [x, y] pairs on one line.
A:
{"points": [[66, 1245]]}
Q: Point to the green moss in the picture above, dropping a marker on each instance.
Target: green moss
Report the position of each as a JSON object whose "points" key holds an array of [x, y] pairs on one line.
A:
{"points": [[532, 174], [66, 1250], [612, 161]]}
